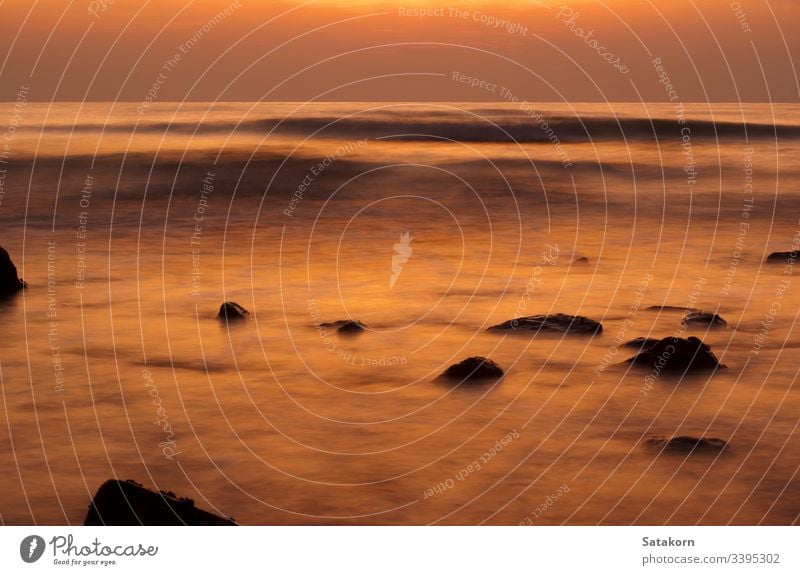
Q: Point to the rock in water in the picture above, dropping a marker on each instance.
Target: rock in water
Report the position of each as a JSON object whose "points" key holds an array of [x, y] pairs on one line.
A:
{"points": [[232, 311], [345, 326], [128, 503], [9, 281], [677, 354], [554, 323], [782, 258], [641, 342], [669, 308], [703, 318], [686, 444], [474, 368], [580, 261]]}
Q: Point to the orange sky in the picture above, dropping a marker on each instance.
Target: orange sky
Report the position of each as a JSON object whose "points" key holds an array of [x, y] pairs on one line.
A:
{"points": [[379, 50]]}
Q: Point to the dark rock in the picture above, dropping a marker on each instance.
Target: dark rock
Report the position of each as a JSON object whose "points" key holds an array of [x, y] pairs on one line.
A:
{"points": [[474, 368], [346, 326], [782, 257], [232, 311], [553, 323], [9, 281], [686, 444], [580, 261], [641, 342], [669, 308], [703, 318], [677, 354], [129, 503]]}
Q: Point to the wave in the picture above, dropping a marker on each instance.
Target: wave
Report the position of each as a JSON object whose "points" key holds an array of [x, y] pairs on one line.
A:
{"points": [[447, 126]]}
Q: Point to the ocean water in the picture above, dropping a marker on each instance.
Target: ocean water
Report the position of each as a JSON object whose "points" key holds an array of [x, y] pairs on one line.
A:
{"points": [[429, 223]]}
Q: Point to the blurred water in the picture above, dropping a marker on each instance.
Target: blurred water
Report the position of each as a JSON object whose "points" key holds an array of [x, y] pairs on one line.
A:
{"points": [[276, 421]]}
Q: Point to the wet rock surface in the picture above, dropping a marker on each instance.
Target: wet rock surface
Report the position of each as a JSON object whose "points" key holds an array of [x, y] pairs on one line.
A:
{"points": [[474, 368], [232, 311], [703, 318], [558, 323], [677, 355]]}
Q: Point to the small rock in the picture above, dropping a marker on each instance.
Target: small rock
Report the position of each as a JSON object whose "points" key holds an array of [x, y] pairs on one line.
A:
{"points": [[669, 308], [474, 368], [580, 261], [677, 354], [782, 257], [9, 281], [232, 311], [641, 342], [687, 444], [703, 318], [346, 326], [553, 323]]}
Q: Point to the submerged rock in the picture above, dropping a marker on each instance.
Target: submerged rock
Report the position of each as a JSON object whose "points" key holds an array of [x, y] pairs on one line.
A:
{"points": [[232, 311], [687, 444], [345, 326], [474, 368], [677, 354], [9, 281], [669, 308], [553, 323], [580, 261], [703, 318], [641, 342], [129, 503], [782, 257]]}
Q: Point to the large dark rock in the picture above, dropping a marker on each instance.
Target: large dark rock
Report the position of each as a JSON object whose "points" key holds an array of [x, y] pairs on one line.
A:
{"points": [[677, 354], [474, 368], [703, 318], [9, 281], [687, 444], [129, 503], [232, 311], [782, 257], [345, 326], [554, 323]]}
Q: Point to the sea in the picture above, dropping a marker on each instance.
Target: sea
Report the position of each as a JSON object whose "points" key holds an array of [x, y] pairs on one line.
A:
{"points": [[428, 222]]}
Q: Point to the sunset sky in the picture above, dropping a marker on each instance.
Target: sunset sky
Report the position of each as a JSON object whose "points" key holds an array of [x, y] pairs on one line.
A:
{"points": [[369, 50]]}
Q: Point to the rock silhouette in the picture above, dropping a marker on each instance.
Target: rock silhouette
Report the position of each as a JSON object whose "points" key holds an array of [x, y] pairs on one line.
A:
{"points": [[232, 311], [703, 318], [129, 503], [554, 323], [9, 280], [345, 326], [580, 261], [474, 368], [677, 354], [782, 257], [687, 444]]}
